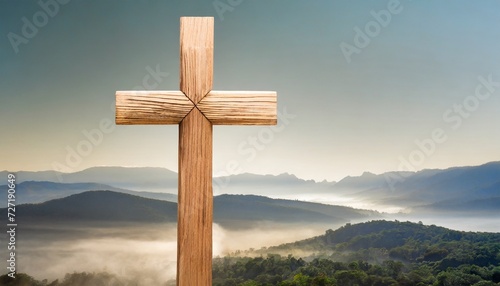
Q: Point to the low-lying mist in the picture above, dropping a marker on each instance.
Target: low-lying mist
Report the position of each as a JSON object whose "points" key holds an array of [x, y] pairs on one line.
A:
{"points": [[475, 223], [147, 253], [142, 253]]}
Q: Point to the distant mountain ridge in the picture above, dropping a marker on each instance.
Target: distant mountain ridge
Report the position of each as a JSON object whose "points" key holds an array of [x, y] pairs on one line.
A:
{"points": [[425, 190], [141, 178], [38, 192], [475, 207]]}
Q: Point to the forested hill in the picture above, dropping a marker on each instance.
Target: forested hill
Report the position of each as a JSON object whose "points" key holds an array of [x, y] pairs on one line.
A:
{"points": [[404, 241], [372, 253]]}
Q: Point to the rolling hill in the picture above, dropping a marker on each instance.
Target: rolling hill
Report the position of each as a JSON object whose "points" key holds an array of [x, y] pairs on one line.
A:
{"points": [[408, 242], [232, 211], [99, 207]]}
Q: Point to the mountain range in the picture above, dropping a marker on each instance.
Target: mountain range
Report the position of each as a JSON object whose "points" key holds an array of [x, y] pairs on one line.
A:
{"points": [[141, 179], [31, 192], [453, 189], [428, 189]]}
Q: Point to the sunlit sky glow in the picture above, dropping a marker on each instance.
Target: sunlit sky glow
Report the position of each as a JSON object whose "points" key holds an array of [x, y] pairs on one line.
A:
{"points": [[346, 117]]}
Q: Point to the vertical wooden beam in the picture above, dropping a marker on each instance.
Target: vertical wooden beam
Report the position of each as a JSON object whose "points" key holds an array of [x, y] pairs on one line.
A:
{"points": [[195, 203], [197, 56], [194, 230]]}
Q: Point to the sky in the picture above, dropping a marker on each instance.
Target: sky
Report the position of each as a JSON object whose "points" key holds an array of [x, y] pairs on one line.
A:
{"points": [[373, 86]]}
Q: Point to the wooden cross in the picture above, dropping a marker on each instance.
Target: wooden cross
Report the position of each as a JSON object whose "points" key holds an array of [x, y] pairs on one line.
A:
{"points": [[196, 107]]}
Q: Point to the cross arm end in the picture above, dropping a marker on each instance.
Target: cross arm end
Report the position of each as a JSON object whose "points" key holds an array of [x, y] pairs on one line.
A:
{"points": [[151, 107]]}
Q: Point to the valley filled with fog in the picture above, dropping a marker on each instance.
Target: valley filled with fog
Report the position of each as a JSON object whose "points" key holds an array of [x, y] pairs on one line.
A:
{"points": [[148, 251]]}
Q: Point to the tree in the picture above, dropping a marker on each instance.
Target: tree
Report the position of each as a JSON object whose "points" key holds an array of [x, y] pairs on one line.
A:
{"points": [[20, 279]]}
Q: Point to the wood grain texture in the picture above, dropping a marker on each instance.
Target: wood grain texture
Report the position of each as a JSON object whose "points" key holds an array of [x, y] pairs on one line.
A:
{"points": [[196, 108], [197, 53], [240, 107], [151, 107], [195, 205]]}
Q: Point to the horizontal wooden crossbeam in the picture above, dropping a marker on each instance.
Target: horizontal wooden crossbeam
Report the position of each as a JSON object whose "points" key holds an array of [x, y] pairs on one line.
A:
{"points": [[219, 107]]}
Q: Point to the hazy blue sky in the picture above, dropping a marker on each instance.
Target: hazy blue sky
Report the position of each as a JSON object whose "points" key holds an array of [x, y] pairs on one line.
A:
{"points": [[360, 88]]}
